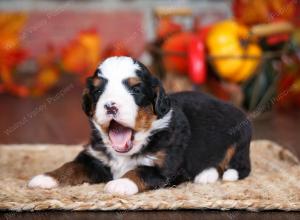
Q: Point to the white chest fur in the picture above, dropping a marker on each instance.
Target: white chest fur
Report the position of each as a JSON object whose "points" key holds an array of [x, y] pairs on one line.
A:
{"points": [[119, 165]]}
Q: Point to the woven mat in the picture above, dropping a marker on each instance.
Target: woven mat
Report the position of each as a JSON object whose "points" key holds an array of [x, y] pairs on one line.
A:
{"points": [[273, 184]]}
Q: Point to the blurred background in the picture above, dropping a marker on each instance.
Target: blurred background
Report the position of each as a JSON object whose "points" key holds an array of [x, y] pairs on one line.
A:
{"points": [[242, 51]]}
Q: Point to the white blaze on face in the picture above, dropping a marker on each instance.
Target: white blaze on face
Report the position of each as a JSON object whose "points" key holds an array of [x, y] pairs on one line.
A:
{"points": [[116, 70]]}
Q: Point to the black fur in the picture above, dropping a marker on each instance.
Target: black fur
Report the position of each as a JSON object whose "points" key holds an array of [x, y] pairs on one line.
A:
{"points": [[91, 165], [197, 138], [152, 177], [92, 93], [160, 100], [200, 132], [149, 91], [211, 123]]}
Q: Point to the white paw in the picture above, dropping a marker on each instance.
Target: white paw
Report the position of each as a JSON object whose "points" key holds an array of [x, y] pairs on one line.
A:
{"points": [[209, 175], [230, 175], [42, 181], [123, 186]]}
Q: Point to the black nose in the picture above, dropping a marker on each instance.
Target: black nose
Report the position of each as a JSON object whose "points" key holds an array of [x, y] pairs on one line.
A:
{"points": [[111, 109]]}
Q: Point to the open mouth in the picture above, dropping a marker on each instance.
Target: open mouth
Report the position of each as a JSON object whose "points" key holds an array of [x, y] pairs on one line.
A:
{"points": [[120, 136]]}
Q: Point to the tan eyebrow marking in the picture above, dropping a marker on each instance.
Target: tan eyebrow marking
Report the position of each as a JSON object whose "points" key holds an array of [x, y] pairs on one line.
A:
{"points": [[97, 82], [133, 81]]}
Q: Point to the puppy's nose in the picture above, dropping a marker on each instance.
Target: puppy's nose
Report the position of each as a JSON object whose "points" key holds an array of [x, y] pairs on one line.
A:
{"points": [[111, 108]]}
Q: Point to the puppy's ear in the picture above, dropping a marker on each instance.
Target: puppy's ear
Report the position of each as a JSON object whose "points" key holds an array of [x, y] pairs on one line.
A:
{"points": [[87, 101], [161, 102]]}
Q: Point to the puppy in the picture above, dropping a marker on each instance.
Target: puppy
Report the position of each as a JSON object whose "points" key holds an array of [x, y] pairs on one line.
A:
{"points": [[143, 139]]}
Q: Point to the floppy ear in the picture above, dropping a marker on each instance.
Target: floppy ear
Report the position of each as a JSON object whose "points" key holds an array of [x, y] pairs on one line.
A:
{"points": [[161, 102], [87, 102]]}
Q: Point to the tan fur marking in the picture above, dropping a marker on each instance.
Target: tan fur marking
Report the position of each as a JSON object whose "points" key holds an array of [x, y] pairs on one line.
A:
{"points": [[133, 81], [161, 157], [144, 118], [105, 127], [133, 175], [71, 173], [97, 82], [225, 162]]}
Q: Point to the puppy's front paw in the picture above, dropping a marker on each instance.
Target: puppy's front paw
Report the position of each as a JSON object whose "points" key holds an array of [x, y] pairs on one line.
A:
{"points": [[42, 181], [123, 186]]}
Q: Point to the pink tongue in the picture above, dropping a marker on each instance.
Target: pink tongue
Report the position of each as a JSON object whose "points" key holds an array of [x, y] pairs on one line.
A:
{"points": [[120, 137]]}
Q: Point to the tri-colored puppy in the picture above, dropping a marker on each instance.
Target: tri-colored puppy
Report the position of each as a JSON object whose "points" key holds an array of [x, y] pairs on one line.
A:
{"points": [[143, 139]]}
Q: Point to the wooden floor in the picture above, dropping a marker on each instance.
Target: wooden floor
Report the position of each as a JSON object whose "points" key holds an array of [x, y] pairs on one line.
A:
{"points": [[57, 118]]}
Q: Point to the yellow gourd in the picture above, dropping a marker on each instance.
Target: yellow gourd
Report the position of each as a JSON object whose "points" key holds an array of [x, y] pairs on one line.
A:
{"points": [[224, 40]]}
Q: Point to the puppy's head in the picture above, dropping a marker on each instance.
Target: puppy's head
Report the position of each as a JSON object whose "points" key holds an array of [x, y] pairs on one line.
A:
{"points": [[126, 104]]}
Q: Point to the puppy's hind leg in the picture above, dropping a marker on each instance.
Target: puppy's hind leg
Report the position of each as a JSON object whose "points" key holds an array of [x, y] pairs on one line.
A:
{"points": [[239, 166], [84, 168]]}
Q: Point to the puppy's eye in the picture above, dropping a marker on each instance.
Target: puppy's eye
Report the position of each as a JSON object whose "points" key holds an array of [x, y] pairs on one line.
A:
{"points": [[98, 91], [136, 89]]}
